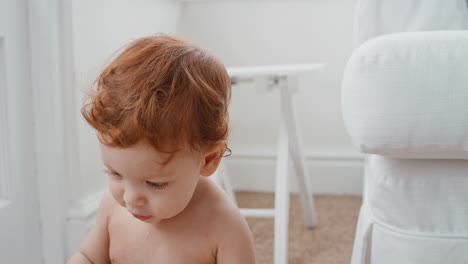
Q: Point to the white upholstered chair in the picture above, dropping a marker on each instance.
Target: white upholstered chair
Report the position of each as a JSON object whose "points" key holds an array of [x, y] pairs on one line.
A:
{"points": [[405, 104]]}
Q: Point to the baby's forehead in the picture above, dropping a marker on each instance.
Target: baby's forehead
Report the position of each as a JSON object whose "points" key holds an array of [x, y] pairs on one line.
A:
{"points": [[145, 155], [170, 158]]}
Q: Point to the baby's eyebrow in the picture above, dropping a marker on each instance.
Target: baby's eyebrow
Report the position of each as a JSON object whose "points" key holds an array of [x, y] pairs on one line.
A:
{"points": [[151, 176], [162, 175]]}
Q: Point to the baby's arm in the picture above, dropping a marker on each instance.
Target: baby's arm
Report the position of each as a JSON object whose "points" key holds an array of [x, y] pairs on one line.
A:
{"points": [[235, 240], [95, 248]]}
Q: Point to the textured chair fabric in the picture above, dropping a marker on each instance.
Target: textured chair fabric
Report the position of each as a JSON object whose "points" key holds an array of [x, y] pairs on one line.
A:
{"points": [[405, 104], [374, 18], [405, 95], [414, 211]]}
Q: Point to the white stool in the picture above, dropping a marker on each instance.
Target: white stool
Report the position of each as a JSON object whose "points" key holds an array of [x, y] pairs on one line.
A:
{"points": [[284, 77]]}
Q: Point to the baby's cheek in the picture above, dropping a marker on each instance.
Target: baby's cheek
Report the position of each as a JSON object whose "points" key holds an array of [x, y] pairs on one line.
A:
{"points": [[116, 192], [169, 207]]}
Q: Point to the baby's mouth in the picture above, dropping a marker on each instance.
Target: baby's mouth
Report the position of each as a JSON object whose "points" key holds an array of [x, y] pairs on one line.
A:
{"points": [[142, 217]]}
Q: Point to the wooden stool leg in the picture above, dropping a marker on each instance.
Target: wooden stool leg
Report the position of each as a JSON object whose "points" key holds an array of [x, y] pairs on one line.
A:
{"points": [[282, 198], [309, 213]]}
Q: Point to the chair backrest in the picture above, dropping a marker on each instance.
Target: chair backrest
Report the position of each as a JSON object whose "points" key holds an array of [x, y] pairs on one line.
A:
{"points": [[379, 17]]}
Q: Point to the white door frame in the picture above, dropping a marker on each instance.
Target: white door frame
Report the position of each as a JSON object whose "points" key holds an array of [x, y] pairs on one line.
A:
{"points": [[52, 82]]}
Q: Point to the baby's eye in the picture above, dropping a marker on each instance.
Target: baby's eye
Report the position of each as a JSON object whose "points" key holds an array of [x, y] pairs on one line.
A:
{"points": [[157, 185], [112, 173]]}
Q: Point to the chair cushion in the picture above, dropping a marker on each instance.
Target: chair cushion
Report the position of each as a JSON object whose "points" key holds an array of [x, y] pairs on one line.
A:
{"points": [[375, 243], [379, 17], [419, 197], [405, 95]]}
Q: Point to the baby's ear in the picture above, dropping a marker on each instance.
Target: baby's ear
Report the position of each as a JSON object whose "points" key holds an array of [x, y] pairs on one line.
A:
{"points": [[212, 159]]}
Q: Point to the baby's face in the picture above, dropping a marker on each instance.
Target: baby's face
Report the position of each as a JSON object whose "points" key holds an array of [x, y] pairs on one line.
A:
{"points": [[148, 190]]}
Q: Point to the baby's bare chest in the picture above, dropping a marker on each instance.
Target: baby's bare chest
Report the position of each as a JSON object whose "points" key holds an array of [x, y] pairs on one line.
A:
{"points": [[133, 242]]}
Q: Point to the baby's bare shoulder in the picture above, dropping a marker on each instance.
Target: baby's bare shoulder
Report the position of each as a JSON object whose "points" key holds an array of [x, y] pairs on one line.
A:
{"points": [[217, 202], [219, 211], [108, 205], [96, 246], [234, 242]]}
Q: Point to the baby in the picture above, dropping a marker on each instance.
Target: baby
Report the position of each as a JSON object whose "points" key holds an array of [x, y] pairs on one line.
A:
{"points": [[160, 109]]}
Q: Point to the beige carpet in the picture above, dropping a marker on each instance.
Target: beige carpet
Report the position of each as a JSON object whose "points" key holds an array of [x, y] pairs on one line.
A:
{"points": [[328, 243]]}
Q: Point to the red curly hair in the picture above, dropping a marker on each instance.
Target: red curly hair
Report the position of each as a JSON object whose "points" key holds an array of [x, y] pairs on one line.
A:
{"points": [[162, 89]]}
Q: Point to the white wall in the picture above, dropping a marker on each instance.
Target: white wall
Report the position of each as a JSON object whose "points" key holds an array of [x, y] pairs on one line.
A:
{"points": [[271, 32], [100, 27]]}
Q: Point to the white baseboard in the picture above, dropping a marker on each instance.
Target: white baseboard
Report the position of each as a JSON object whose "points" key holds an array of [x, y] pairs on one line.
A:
{"points": [[331, 171]]}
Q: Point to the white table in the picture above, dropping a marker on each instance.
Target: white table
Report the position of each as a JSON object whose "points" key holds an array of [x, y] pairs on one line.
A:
{"points": [[284, 78]]}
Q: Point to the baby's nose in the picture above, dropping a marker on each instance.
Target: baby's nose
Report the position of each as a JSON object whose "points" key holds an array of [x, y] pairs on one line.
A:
{"points": [[134, 199]]}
